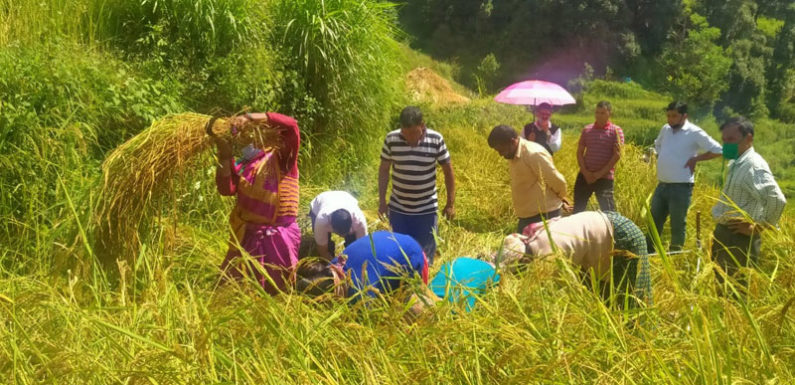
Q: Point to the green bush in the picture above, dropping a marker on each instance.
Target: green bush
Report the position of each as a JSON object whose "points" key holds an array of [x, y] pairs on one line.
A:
{"points": [[61, 108]]}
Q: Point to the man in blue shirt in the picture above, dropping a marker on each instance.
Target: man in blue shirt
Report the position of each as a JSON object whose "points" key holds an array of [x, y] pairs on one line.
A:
{"points": [[379, 263]]}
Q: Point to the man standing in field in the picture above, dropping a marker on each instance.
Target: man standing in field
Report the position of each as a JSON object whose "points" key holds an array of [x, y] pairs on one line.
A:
{"points": [[598, 151], [542, 131], [412, 153], [678, 146], [751, 200], [537, 188]]}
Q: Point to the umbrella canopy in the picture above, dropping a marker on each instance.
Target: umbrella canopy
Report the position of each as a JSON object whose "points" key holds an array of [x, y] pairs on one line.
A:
{"points": [[535, 92]]}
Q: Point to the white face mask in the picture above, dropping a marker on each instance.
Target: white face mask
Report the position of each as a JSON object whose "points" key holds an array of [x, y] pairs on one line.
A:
{"points": [[249, 152]]}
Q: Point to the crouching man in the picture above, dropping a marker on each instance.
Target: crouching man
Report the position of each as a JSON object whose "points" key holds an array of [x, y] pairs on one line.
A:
{"points": [[605, 243]]}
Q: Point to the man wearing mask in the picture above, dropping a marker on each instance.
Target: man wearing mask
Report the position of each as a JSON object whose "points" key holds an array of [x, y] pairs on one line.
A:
{"points": [[751, 199], [678, 146], [542, 131]]}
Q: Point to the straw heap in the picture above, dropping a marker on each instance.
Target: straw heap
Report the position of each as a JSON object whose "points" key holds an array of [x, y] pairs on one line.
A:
{"points": [[138, 175]]}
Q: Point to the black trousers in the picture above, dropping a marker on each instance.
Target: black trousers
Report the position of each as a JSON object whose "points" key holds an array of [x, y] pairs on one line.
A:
{"points": [[583, 191]]}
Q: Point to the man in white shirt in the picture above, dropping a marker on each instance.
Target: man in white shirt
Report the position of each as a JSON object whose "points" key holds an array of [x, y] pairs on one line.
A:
{"points": [[336, 212], [678, 146], [751, 199]]}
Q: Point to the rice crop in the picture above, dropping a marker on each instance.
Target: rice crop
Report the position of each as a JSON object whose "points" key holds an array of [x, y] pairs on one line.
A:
{"points": [[138, 175]]}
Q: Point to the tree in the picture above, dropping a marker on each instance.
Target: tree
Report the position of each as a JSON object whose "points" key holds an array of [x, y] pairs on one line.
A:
{"points": [[781, 71], [696, 67]]}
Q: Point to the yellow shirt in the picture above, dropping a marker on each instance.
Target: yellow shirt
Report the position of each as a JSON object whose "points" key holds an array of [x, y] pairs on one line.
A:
{"points": [[536, 185], [586, 238]]}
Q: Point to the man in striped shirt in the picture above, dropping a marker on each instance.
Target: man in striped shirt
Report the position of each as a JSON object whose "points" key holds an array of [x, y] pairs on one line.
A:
{"points": [[412, 153], [751, 199], [597, 154]]}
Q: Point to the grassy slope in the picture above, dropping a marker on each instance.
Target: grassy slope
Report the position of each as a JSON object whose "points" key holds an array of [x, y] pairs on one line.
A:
{"points": [[171, 323]]}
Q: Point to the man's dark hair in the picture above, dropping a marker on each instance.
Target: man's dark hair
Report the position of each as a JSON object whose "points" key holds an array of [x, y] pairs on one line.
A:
{"points": [[680, 107], [501, 134], [544, 105], [745, 125], [410, 116], [341, 221], [606, 105], [314, 278]]}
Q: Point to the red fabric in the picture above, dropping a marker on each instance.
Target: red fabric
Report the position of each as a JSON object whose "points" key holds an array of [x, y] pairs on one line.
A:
{"points": [[291, 140], [424, 268]]}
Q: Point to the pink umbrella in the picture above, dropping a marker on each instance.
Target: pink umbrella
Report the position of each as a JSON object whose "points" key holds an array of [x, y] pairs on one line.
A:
{"points": [[535, 92]]}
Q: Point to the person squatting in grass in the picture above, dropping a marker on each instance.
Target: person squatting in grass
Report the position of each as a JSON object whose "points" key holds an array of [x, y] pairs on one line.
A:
{"points": [[678, 146], [335, 212], [371, 265], [265, 183], [412, 153], [598, 151], [381, 263], [538, 189], [542, 131], [605, 243], [750, 200]]}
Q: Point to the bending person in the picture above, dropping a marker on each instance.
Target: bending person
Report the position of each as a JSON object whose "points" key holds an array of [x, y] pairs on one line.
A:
{"points": [[336, 212], [378, 263], [602, 242], [265, 182]]}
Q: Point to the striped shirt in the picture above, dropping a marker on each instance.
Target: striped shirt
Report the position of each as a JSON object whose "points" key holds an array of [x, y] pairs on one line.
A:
{"points": [[414, 171], [599, 143], [751, 187]]}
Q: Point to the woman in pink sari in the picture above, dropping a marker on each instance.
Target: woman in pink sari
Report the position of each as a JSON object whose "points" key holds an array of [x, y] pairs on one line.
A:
{"points": [[265, 181]]}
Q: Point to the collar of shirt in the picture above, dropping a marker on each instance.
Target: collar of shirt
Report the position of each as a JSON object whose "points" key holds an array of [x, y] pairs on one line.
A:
{"points": [[605, 127], [518, 153], [742, 158], [538, 124], [685, 127], [403, 138]]}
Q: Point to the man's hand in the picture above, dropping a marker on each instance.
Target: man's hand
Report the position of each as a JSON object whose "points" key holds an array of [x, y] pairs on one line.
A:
{"points": [[691, 164], [449, 212], [590, 177], [741, 227], [383, 211], [567, 207]]}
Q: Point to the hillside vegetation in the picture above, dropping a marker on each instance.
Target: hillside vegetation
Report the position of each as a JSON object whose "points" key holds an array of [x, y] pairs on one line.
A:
{"points": [[81, 78]]}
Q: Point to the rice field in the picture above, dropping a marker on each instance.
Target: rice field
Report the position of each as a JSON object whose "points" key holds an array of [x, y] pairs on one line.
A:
{"points": [[167, 319]]}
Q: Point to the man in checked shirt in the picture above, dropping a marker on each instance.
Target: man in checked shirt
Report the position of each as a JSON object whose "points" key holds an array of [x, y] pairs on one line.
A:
{"points": [[750, 201]]}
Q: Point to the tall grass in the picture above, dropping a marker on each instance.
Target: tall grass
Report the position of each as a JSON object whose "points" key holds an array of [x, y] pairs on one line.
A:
{"points": [[347, 63], [169, 320]]}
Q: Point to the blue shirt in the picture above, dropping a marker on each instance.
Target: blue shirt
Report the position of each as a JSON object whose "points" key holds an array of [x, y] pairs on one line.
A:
{"points": [[463, 279], [382, 260]]}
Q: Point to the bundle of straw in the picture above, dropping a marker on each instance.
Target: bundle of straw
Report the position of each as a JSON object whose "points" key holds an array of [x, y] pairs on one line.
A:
{"points": [[138, 175]]}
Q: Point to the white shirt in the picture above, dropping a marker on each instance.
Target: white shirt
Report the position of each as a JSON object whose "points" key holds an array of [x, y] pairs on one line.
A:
{"points": [[675, 148], [330, 201], [751, 187], [555, 140]]}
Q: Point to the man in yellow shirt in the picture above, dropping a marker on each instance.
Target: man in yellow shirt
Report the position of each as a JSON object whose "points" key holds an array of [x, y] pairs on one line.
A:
{"points": [[537, 188]]}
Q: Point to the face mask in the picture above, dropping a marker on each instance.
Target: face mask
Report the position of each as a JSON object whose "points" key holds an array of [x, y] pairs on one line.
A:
{"points": [[249, 152], [730, 151]]}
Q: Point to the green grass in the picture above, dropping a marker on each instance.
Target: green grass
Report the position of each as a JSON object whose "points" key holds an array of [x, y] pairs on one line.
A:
{"points": [[170, 322], [69, 92]]}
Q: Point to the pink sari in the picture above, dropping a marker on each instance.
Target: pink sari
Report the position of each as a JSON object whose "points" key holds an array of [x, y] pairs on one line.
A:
{"points": [[265, 236]]}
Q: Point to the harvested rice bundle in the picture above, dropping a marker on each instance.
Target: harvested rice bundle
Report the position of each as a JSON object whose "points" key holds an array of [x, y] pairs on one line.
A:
{"points": [[139, 174]]}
